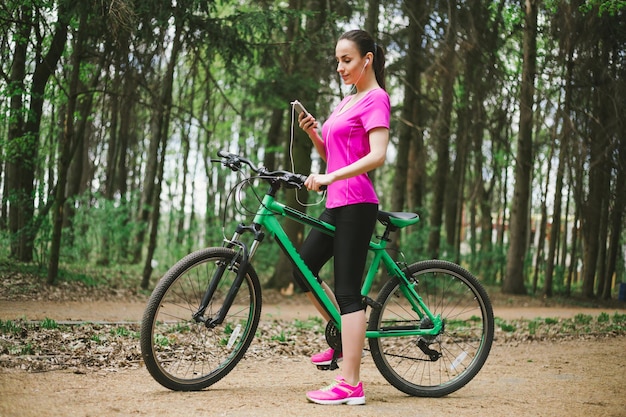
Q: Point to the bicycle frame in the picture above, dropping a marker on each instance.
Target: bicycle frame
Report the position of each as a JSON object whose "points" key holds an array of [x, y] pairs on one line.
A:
{"points": [[266, 217]]}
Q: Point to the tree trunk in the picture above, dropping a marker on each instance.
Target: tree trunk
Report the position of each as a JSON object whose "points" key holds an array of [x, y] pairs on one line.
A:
{"points": [[21, 172], [456, 182], [541, 233], [556, 218], [305, 64], [159, 140], [592, 210], [180, 228], [441, 132], [603, 233], [555, 230], [116, 170], [372, 17], [575, 177], [149, 181], [81, 170], [592, 215], [273, 138], [513, 282], [18, 192], [155, 217], [616, 218], [409, 176], [65, 151]]}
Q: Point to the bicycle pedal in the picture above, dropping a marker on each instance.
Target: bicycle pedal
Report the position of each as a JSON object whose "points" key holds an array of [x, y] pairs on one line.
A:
{"points": [[372, 303], [330, 367]]}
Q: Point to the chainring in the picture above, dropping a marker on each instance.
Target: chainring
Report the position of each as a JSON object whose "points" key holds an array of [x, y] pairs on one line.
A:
{"points": [[333, 336]]}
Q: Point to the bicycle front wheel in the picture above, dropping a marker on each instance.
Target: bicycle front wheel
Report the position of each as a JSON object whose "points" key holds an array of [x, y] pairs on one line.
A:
{"points": [[182, 353], [433, 366]]}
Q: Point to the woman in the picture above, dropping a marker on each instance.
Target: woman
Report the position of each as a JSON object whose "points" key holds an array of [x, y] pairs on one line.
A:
{"points": [[353, 142]]}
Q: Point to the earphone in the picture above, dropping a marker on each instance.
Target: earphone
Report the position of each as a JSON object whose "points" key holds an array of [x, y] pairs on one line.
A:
{"points": [[367, 61]]}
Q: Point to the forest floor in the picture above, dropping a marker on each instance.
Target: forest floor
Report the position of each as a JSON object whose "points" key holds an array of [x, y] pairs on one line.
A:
{"points": [[569, 365]]}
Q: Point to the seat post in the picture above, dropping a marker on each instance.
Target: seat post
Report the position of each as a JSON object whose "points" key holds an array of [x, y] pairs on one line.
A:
{"points": [[388, 229]]}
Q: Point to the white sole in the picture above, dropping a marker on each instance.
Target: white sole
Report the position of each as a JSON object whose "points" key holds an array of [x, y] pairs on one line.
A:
{"points": [[349, 401]]}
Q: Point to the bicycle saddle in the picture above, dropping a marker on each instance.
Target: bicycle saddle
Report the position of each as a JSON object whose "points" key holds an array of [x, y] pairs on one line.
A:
{"points": [[397, 219]]}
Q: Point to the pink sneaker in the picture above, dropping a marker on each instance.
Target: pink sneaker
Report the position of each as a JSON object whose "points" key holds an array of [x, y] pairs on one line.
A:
{"points": [[325, 357], [339, 392]]}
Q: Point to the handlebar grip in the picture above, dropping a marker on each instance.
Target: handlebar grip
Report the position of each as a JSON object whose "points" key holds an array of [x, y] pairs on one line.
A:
{"points": [[303, 179], [300, 177]]}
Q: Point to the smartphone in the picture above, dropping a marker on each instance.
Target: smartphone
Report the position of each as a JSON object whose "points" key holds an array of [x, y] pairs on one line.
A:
{"points": [[299, 107]]}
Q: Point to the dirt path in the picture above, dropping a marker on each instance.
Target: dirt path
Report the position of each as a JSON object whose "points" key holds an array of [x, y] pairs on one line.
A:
{"points": [[295, 307], [574, 378], [583, 377]]}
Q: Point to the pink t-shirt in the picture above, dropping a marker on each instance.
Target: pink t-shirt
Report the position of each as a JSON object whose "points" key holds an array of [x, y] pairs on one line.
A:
{"points": [[346, 139]]}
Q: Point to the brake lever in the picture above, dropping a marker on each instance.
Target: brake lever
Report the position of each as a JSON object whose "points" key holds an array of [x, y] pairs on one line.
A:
{"points": [[233, 162], [234, 165]]}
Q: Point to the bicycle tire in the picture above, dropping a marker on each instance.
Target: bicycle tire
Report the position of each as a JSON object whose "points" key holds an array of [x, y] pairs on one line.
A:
{"points": [[185, 355], [458, 352]]}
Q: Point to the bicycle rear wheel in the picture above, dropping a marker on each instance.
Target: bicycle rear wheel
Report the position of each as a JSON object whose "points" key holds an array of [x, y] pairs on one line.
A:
{"points": [[433, 366], [183, 354]]}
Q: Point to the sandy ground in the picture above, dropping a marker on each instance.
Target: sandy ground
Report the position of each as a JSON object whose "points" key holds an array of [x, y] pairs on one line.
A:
{"points": [[582, 377]]}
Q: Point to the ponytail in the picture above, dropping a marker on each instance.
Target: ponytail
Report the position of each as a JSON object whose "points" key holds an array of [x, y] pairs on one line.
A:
{"points": [[379, 65]]}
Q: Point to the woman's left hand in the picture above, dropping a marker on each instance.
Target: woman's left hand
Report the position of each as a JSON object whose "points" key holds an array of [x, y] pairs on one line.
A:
{"points": [[315, 181]]}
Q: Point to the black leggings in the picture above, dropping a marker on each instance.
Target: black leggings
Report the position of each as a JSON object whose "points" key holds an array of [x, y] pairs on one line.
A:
{"points": [[354, 225]]}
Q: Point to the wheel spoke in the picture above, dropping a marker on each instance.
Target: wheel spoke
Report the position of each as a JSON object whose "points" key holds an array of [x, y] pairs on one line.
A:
{"points": [[183, 354], [441, 364]]}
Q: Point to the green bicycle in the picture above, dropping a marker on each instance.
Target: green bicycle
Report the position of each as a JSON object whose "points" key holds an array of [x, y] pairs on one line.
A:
{"points": [[430, 328]]}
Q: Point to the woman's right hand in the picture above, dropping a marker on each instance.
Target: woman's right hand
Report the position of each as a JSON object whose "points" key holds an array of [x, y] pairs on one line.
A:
{"points": [[307, 123]]}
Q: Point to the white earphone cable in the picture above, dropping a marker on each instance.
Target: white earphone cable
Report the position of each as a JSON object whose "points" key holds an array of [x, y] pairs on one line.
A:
{"points": [[293, 169]]}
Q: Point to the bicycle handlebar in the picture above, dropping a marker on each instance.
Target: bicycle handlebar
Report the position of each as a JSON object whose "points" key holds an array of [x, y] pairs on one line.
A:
{"points": [[286, 178]]}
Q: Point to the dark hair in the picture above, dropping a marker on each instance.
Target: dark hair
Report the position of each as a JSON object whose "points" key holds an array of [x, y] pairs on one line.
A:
{"points": [[365, 43]]}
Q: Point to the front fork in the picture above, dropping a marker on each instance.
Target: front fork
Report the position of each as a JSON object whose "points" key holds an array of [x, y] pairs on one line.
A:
{"points": [[246, 255]]}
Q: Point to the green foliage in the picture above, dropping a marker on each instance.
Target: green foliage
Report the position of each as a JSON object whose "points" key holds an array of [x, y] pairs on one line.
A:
{"points": [[281, 337], [102, 229], [9, 326], [414, 244], [510, 14], [610, 7], [489, 264], [581, 324], [505, 326], [27, 349], [583, 319], [48, 323], [161, 340], [121, 331], [310, 324], [619, 318]]}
